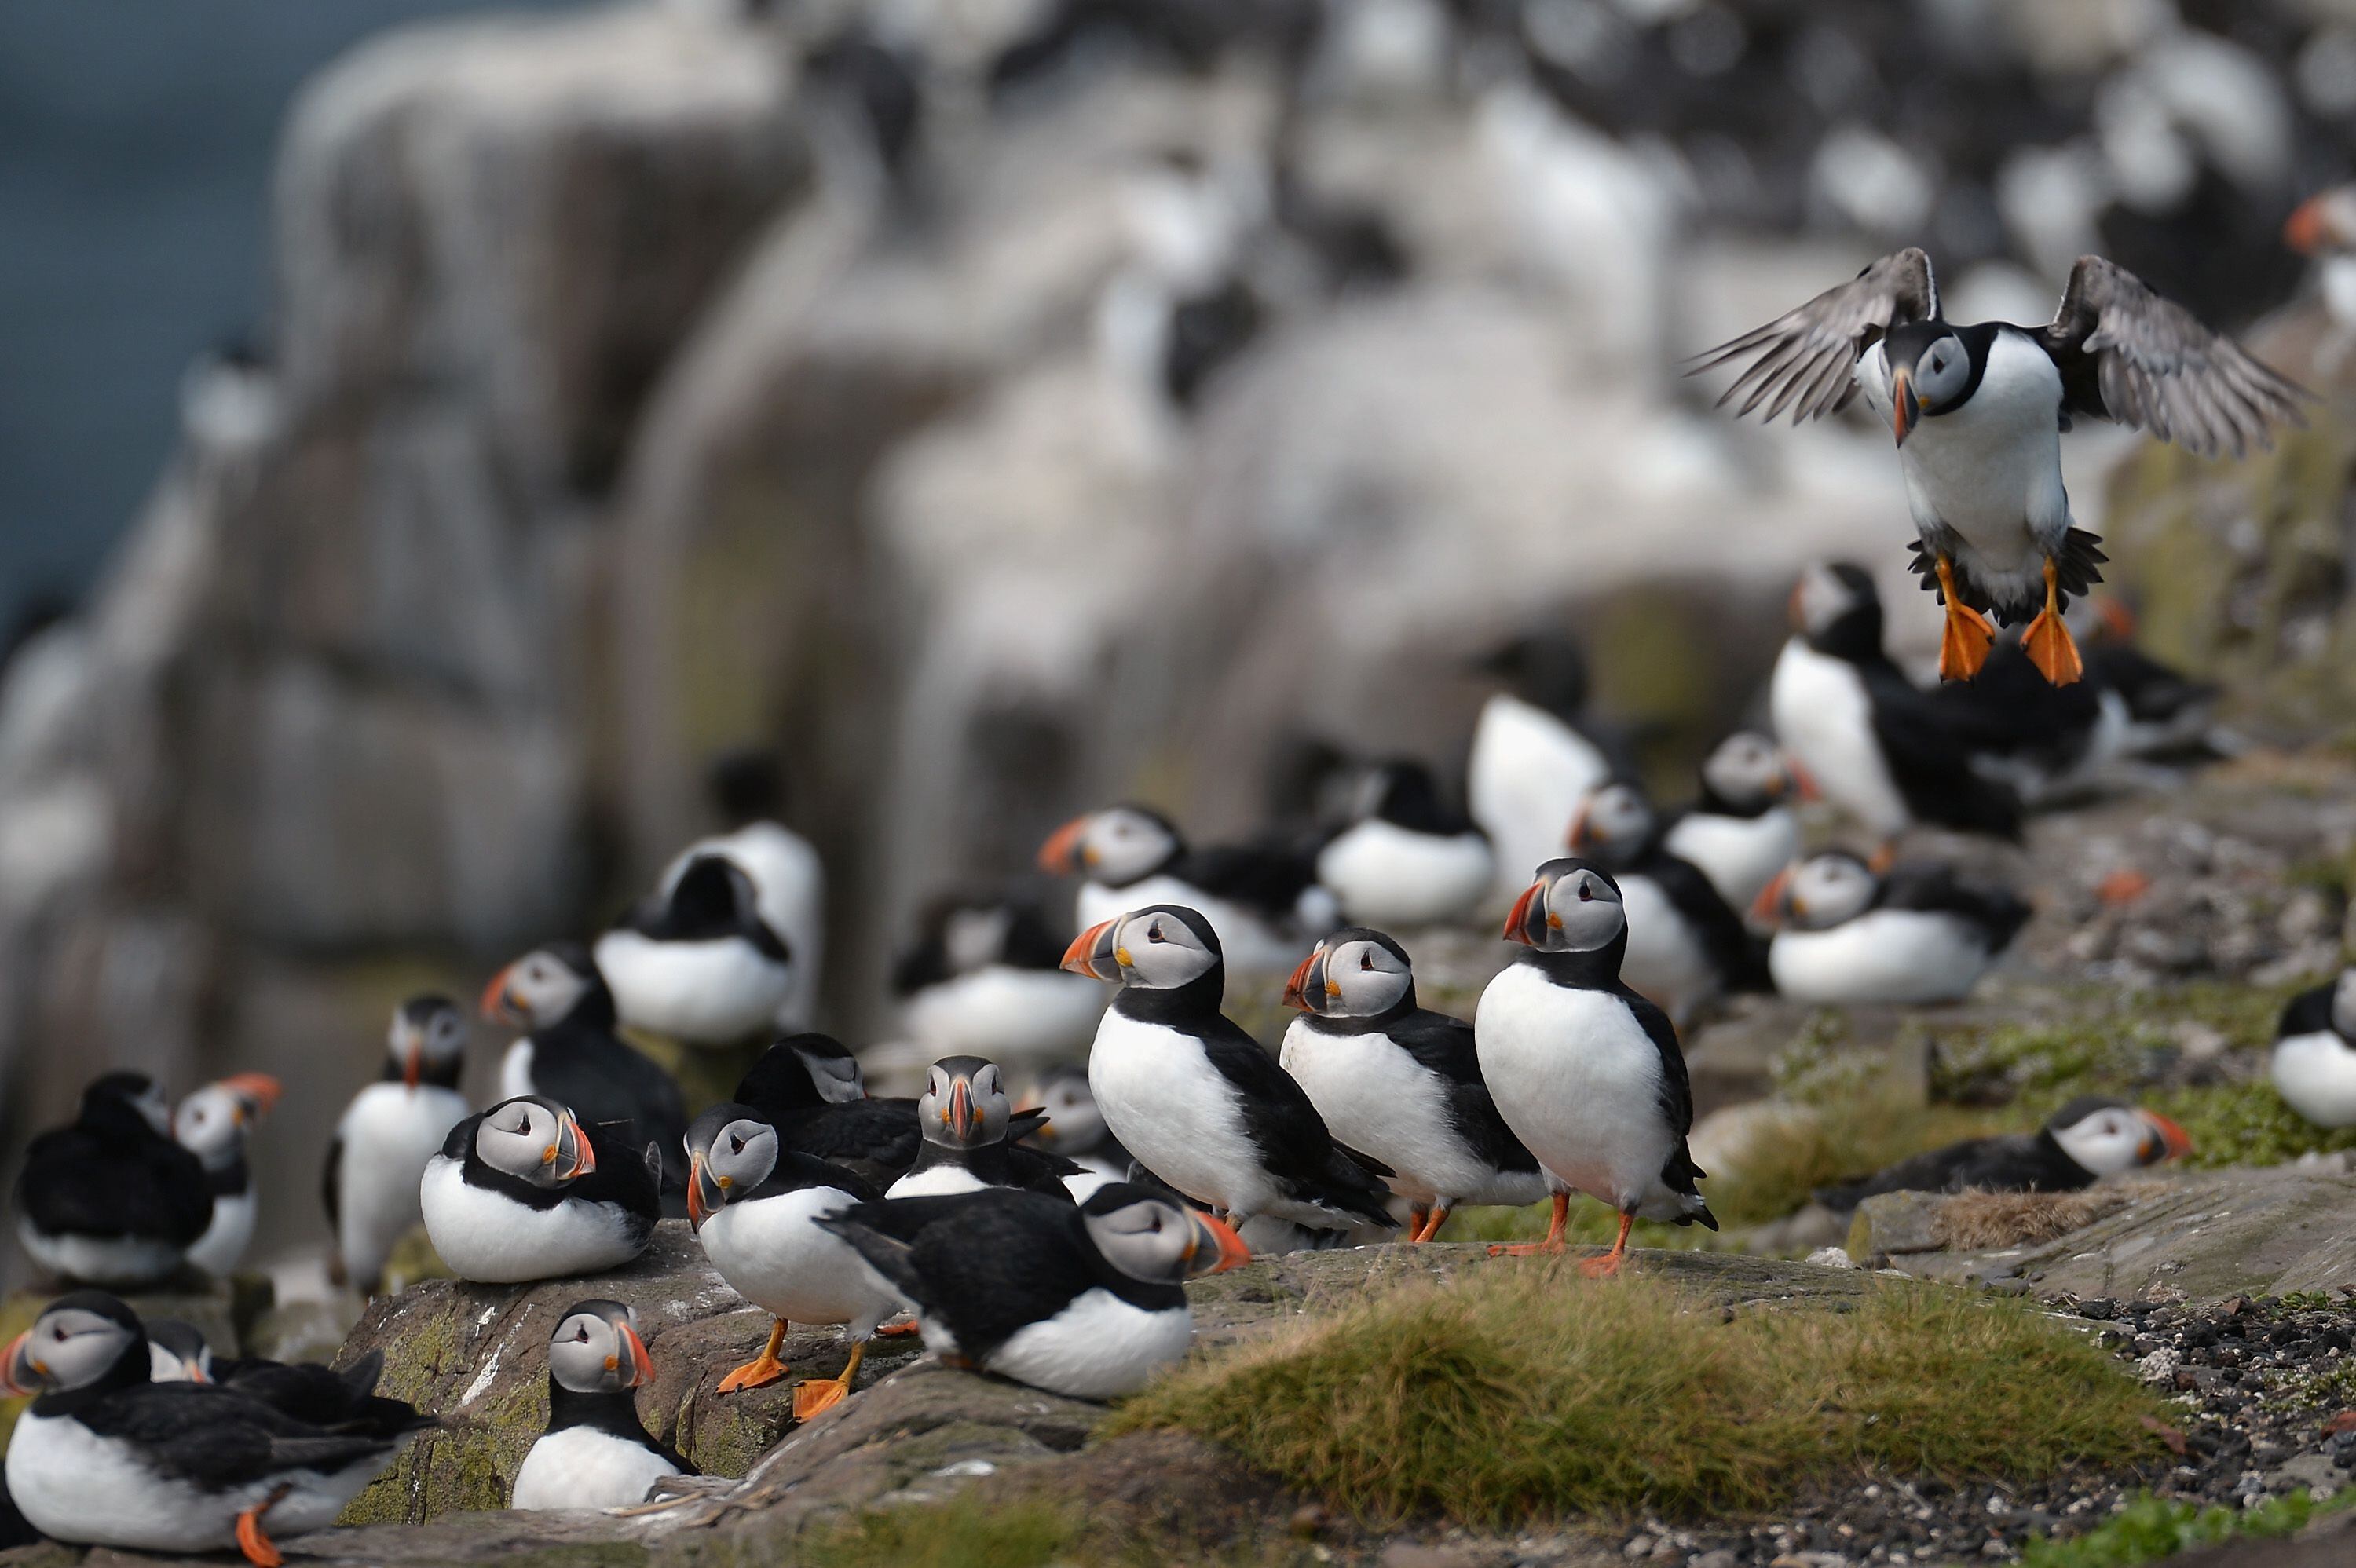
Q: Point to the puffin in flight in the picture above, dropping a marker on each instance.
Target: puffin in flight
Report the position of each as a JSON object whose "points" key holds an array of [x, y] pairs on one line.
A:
{"points": [[2314, 1062], [2091, 1138], [388, 1134], [1978, 412]]}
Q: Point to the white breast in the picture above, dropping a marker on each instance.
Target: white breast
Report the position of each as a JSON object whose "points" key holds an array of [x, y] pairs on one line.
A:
{"points": [[1013, 1016], [492, 1240], [1991, 469], [789, 892], [1100, 1347], [773, 1255], [582, 1468], [1824, 717], [222, 1246], [1527, 775], [2316, 1073], [935, 1182], [1164, 1103], [1385, 875], [1739, 855], [117, 1263], [1249, 943], [1666, 960], [388, 1133], [1379, 1100], [1882, 955], [717, 991]]}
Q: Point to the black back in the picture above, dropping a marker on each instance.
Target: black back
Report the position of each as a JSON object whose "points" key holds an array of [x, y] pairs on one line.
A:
{"points": [[111, 1174], [1005, 1164], [1443, 1046], [579, 1063], [2029, 1162], [1029, 943], [215, 1438], [1932, 886], [712, 899], [2310, 1012]]}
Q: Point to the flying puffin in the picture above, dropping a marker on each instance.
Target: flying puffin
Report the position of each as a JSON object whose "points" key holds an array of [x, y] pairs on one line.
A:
{"points": [[1262, 900], [1687, 946], [756, 1204], [1586, 1073], [573, 1056], [1914, 934], [1535, 752], [748, 790], [111, 1200], [1408, 858], [211, 1124], [2089, 1138], [1075, 1129], [1740, 831], [595, 1453], [1885, 753], [986, 977], [1978, 413], [105, 1457], [1401, 1083], [696, 962], [964, 1113], [388, 1134], [809, 1087], [524, 1192], [1086, 1301], [2314, 1062], [1195, 1098]]}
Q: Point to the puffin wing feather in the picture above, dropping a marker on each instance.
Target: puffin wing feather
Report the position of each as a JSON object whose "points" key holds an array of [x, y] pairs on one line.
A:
{"points": [[1802, 359]]}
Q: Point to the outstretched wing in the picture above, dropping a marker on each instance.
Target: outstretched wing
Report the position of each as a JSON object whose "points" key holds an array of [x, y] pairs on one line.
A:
{"points": [[1803, 358], [2125, 354]]}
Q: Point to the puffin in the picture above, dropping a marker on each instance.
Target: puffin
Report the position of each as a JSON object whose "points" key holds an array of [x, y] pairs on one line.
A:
{"points": [[320, 1396], [756, 1202], [211, 1124], [1687, 946], [1400, 1081], [177, 1351], [2089, 1138], [1196, 1099], [2324, 227], [1587, 1073], [1262, 899], [2313, 1061], [1407, 857], [810, 1087], [1535, 752], [748, 790], [2167, 713], [524, 1192], [595, 1453], [1740, 831], [2044, 743], [1086, 1301], [1913, 934], [103, 1457], [110, 1199], [1978, 410], [1882, 750], [964, 1113], [985, 976], [573, 1056], [1075, 1129], [386, 1136], [696, 962]]}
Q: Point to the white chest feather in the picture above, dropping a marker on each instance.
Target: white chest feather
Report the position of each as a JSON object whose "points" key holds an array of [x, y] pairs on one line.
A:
{"points": [[2316, 1073], [1824, 717], [1527, 775], [515, 1070], [720, 990], [222, 1246], [1385, 875], [388, 1134], [1882, 955], [1379, 1100], [1990, 468], [117, 1263], [1100, 1347], [1175, 1112], [935, 1182], [1739, 855], [773, 1255], [789, 892], [493, 1240], [1010, 1015], [582, 1468]]}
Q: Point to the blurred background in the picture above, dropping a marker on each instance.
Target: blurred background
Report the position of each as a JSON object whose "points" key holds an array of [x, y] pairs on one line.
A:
{"points": [[429, 442]]}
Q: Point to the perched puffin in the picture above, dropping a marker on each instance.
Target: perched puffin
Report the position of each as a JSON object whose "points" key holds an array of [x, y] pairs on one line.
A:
{"points": [[1978, 413], [748, 790], [1535, 753], [1202, 1106], [524, 1192], [176, 1352], [111, 1200], [1687, 946], [2314, 1063], [388, 1134], [1880, 748], [320, 1396], [809, 1087], [1740, 831], [986, 977], [106, 1457], [595, 1451], [1262, 900], [1075, 1129], [211, 1125], [1408, 858], [696, 962], [1915, 935], [964, 1113], [1401, 1083], [2089, 1138], [1586, 1073], [573, 1056], [2044, 743], [1086, 1301], [755, 1202], [2324, 227]]}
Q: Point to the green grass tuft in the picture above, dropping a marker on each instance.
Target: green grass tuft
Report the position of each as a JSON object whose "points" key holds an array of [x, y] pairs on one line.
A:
{"points": [[2152, 1528], [966, 1533]]}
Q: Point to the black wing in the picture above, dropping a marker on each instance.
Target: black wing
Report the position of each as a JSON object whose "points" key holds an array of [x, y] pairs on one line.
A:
{"points": [[1806, 358], [2010, 710], [1294, 1143], [606, 1081], [1443, 1046], [2310, 1012], [1740, 957], [1932, 885], [219, 1439], [625, 1173], [2154, 692], [1267, 878], [1680, 1174], [1932, 764], [2009, 1164], [878, 1139], [2125, 354], [75, 1183]]}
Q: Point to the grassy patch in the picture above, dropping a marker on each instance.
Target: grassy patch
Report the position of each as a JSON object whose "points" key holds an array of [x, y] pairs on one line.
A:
{"points": [[967, 1532], [1520, 1392], [2152, 1528]]}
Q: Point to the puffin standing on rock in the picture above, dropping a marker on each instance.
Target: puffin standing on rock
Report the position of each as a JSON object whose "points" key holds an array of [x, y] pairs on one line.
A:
{"points": [[211, 1124], [111, 1200], [1261, 900], [524, 1192], [1588, 1073], [1915, 935], [595, 1453], [2089, 1138], [388, 1134], [965, 1113], [2313, 1061]]}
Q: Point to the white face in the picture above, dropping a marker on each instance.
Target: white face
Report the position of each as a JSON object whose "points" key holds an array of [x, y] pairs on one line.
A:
{"points": [[530, 1139], [1746, 770], [596, 1349], [837, 1078], [540, 988], [1569, 909], [742, 1155], [1154, 1239], [1821, 599], [1073, 1120], [211, 1125], [2343, 1004], [1940, 372], [1119, 844], [1354, 979], [964, 1102], [975, 938], [1612, 816], [67, 1348], [1827, 890], [1158, 952], [439, 1041], [2111, 1140]]}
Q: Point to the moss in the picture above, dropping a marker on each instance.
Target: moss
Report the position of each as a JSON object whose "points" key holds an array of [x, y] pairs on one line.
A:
{"points": [[2152, 1528], [965, 1533]]}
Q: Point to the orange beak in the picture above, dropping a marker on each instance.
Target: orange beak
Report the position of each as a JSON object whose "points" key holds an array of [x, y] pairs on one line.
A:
{"points": [[497, 1005], [2173, 1139], [1576, 838], [575, 1156], [1804, 783], [11, 1380], [258, 1092], [1061, 853], [1903, 410], [696, 1209], [413, 1065], [642, 1365], [1768, 908], [1517, 923], [2305, 230], [961, 1116], [1225, 1249], [1091, 952], [1296, 989]]}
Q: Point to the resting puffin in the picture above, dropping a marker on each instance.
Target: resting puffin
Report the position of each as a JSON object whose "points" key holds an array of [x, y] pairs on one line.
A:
{"points": [[211, 1124], [964, 1113], [1535, 752], [524, 1192], [695, 962], [573, 1056], [748, 790], [1261, 899], [595, 1453], [1586, 1073], [986, 977], [1740, 831], [1408, 858], [1687, 946], [809, 1086], [111, 1200], [1086, 1301], [1978, 413], [1885, 752], [2089, 1138], [386, 1136], [307, 1390], [105, 1457], [1915, 935], [2314, 1062], [755, 1202], [1401, 1083]]}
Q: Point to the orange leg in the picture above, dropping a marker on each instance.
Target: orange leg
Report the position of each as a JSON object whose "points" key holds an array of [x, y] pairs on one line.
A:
{"points": [[824, 1394], [249, 1538], [1553, 1242], [2048, 642], [1415, 1216], [761, 1370], [1432, 1226], [900, 1331], [1608, 1263], [1964, 641]]}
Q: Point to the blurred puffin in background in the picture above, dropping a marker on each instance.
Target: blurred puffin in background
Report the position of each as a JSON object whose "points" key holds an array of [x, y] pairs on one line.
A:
{"points": [[1407, 858], [1740, 831], [1536, 753], [211, 1123], [1264, 900], [1846, 933], [986, 977]]}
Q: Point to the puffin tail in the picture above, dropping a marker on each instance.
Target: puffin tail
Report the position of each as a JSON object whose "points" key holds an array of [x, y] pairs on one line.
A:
{"points": [[887, 1256], [1679, 1177]]}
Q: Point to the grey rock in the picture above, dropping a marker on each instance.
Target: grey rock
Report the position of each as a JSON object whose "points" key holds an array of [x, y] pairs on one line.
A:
{"points": [[1896, 1223]]}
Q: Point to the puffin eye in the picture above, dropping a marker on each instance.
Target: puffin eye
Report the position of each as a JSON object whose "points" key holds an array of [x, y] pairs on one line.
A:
{"points": [[1365, 961], [1154, 933], [1586, 894], [735, 1143]]}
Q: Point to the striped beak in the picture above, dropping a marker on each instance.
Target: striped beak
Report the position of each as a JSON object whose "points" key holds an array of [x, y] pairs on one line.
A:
{"points": [[499, 1003], [1904, 410], [642, 1365], [572, 1153], [18, 1375], [2163, 1139], [1063, 852], [1773, 901], [1216, 1247], [961, 1116], [706, 1193], [1306, 989], [1095, 952], [256, 1093], [1527, 923]]}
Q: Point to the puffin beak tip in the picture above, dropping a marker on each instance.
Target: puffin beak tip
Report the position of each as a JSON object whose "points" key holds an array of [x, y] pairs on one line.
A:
{"points": [[1081, 957], [1227, 1249], [1518, 928]]}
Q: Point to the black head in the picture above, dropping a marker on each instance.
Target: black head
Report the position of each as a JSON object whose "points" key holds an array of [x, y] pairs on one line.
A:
{"points": [[85, 1340], [748, 785], [1402, 791], [427, 1042], [112, 1098], [1837, 610]]}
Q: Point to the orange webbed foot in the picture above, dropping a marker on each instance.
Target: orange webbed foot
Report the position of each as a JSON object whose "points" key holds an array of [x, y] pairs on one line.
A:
{"points": [[899, 1330], [256, 1546], [813, 1398], [1604, 1267], [759, 1373], [1526, 1250], [2051, 649]]}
